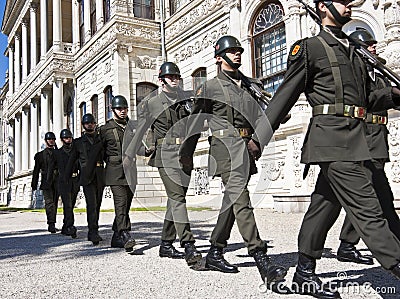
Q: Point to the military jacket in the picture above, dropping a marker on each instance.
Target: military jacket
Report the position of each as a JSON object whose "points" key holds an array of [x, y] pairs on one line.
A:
{"points": [[61, 159], [44, 161], [329, 137], [166, 115], [112, 137], [90, 158]]}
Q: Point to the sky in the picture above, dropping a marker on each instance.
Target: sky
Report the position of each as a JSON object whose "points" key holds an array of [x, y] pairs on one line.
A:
{"points": [[3, 46]]}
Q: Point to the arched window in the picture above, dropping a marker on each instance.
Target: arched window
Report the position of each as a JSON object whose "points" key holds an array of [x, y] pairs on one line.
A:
{"points": [[143, 90], [143, 9], [106, 10], [93, 25], [199, 76], [82, 109], [107, 102], [269, 44], [95, 107], [81, 23]]}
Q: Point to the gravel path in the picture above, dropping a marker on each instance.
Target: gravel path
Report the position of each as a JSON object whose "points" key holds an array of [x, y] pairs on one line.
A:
{"points": [[37, 264]]}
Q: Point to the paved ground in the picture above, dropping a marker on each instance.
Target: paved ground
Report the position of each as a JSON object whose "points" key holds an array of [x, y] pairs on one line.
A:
{"points": [[37, 264]]}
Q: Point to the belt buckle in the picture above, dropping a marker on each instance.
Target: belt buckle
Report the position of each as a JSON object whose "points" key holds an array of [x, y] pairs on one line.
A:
{"points": [[382, 120], [359, 112], [244, 132], [177, 140]]}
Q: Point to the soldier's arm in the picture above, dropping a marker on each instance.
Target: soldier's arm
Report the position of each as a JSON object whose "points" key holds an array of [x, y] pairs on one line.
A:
{"points": [[73, 157], [36, 170]]}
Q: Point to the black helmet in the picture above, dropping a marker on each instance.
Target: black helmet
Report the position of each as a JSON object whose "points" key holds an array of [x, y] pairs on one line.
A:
{"points": [[49, 135], [363, 35], [119, 102], [168, 68], [226, 42], [88, 118], [65, 133]]}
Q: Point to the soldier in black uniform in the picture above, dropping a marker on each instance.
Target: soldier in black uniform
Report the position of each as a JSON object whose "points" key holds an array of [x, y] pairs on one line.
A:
{"points": [[43, 164], [377, 139], [112, 136], [232, 112], [337, 86], [88, 150], [68, 187], [166, 113]]}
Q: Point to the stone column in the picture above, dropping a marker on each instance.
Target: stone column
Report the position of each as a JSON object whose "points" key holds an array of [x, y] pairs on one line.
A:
{"points": [[75, 26], [44, 114], [11, 147], [86, 19], [17, 143], [58, 113], [34, 133], [57, 25], [122, 72], [25, 138], [33, 15], [99, 14], [392, 39], [11, 69], [24, 49], [43, 28], [17, 61]]}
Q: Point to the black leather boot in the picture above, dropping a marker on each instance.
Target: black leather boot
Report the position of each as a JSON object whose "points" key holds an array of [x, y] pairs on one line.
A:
{"points": [[128, 241], [168, 250], [348, 253], [94, 237], [71, 231], [396, 271], [268, 271], [306, 282], [52, 228], [116, 241], [192, 255], [215, 260]]}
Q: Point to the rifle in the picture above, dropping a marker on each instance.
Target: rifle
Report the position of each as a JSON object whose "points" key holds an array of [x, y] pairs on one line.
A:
{"points": [[359, 49], [259, 93]]}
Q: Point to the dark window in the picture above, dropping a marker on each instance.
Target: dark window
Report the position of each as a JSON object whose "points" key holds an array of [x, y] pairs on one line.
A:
{"points": [[173, 6], [107, 102], [106, 10], [143, 9], [81, 23], [93, 26], [82, 109], [199, 76], [269, 44], [95, 107], [143, 90]]}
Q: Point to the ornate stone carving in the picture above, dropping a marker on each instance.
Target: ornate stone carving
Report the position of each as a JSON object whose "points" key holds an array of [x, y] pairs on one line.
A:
{"points": [[375, 3], [146, 62], [296, 160], [394, 148], [273, 169], [60, 65], [200, 44], [195, 16], [107, 67], [357, 3], [201, 181]]}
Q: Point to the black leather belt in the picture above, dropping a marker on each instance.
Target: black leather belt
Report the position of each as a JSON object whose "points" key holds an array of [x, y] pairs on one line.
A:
{"points": [[349, 111], [171, 140], [242, 132]]}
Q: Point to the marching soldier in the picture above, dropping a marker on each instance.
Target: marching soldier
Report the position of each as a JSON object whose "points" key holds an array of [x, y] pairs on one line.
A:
{"points": [[166, 113], [68, 187], [336, 84], [88, 150], [43, 164], [112, 135], [232, 111], [377, 139]]}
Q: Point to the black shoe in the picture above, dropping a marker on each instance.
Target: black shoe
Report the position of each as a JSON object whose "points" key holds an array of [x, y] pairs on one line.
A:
{"points": [[128, 241], [116, 241], [52, 228], [215, 260], [268, 271], [192, 255], [94, 237], [69, 231], [396, 271], [306, 282], [168, 250], [348, 253]]}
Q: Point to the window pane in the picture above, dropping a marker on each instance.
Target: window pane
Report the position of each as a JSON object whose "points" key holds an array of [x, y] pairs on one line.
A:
{"points": [[143, 90]]}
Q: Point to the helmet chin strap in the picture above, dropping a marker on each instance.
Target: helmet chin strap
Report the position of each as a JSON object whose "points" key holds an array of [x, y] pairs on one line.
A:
{"points": [[117, 116], [342, 20], [48, 145], [230, 62], [171, 88]]}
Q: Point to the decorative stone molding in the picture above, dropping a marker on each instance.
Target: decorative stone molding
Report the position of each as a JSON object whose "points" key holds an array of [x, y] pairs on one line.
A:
{"points": [[201, 181], [357, 3], [132, 30], [195, 16], [146, 62], [295, 140], [375, 3], [394, 148], [273, 169], [201, 43]]}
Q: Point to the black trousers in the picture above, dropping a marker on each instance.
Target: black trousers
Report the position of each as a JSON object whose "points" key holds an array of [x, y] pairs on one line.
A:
{"points": [[122, 203], [376, 173], [176, 220], [68, 193], [93, 195], [50, 203], [346, 184]]}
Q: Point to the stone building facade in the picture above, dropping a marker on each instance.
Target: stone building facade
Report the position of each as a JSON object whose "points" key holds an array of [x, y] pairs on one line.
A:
{"points": [[69, 57]]}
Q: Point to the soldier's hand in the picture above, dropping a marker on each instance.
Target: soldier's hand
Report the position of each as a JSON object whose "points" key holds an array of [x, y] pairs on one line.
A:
{"points": [[149, 151], [254, 149], [286, 118]]}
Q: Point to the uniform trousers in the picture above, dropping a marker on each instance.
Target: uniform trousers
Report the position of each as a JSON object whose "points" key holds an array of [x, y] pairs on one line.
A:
{"points": [[50, 204], [346, 184], [376, 173], [122, 203], [176, 220], [68, 196], [93, 195], [236, 205]]}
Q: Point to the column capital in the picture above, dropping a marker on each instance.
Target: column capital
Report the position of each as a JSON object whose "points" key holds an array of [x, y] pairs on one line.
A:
{"points": [[11, 48], [34, 6], [25, 22], [17, 36], [26, 108]]}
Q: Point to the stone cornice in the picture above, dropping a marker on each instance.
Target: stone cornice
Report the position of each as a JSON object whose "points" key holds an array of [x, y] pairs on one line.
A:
{"points": [[17, 14]]}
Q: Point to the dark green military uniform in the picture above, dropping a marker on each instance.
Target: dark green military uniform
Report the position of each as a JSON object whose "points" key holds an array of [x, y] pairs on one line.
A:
{"points": [[166, 115], [336, 141], [232, 114]]}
